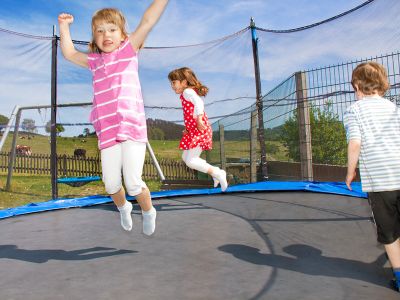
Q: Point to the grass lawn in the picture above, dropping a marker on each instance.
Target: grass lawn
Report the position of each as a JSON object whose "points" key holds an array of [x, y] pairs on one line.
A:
{"points": [[65, 145], [162, 149], [27, 189], [37, 188]]}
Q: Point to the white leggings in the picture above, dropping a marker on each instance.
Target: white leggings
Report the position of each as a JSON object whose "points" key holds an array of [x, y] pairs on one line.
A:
{"points": [[192, 159], [127, 156]]}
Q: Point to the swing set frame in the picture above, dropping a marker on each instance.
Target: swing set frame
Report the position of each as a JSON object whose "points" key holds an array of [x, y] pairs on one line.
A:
{"points": [[72, 181]]}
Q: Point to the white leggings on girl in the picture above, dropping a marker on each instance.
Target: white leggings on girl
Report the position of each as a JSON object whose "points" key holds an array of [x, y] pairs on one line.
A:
{"points": [[127, 156], [192, 159]]}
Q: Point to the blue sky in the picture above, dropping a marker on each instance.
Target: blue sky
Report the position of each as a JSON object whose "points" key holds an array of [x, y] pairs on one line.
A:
{"points": [[227, 67], [184, 22]]}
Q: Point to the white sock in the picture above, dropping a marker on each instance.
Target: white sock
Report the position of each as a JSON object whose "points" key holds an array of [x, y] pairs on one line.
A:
{"points": [[215, 170], [216, 182], [149, 221], [220, 175], [126, 217]]}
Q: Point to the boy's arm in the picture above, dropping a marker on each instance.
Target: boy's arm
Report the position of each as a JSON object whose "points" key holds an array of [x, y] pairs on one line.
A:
{"points": [[353, 153], [66, 44], [149, 19]]}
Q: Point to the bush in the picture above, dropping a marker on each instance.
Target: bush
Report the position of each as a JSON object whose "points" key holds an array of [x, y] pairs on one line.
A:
{"points": [[328, 137]]}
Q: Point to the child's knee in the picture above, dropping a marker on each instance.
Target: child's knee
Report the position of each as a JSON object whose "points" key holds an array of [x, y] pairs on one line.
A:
{"points": [[190, 163], [112, 186], [134, 189]]}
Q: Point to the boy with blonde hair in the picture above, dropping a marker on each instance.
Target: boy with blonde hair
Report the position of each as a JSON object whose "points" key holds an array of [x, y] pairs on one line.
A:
{"points": [[373, 132]]}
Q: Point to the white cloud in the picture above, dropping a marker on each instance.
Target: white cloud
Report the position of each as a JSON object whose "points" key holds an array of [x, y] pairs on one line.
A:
{"points": [[227, 66]]}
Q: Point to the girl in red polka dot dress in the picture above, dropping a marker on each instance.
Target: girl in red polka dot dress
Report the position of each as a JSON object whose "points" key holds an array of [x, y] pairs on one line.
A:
{"points": [[197, 135]]}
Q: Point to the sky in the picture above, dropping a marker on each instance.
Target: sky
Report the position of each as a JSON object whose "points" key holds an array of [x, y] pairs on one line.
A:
{"points": [[228, 64], [184, 21]]}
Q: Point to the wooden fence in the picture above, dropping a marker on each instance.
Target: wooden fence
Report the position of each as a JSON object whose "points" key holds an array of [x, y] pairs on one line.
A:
{"points": [[72, 166]]}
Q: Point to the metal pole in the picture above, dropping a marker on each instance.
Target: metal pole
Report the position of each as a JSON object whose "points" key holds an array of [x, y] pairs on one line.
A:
{"points": [[222, 146], [12, 152], [16, 114], [9, 124], [53, 134], [259, 103], [155, 161], [253, 147]]}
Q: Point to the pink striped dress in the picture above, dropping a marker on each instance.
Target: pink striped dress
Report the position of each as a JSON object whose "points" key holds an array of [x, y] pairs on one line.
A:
{"points": [[118, 111]]}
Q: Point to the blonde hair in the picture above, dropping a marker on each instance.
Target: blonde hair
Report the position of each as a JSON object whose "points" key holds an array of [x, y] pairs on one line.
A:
{"points": [[369, 78], [110, 16], [187, 74]]}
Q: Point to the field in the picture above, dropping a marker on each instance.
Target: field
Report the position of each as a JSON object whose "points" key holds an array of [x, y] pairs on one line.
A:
{"points": [[29, 188], [66, 145], [162, 149]]}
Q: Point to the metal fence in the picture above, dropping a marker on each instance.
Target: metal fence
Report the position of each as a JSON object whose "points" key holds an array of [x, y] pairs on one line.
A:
{"points": [[304, 135], [72, 166]]}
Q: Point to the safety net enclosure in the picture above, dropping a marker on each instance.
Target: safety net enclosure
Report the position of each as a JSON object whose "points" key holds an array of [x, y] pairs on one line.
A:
{"points": [[260, 240], [308, 67], [305, 77]]}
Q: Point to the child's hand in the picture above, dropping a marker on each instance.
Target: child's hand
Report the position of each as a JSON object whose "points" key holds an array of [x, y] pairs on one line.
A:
{"points": [[200, 124], [65, 18], [349, 178]]}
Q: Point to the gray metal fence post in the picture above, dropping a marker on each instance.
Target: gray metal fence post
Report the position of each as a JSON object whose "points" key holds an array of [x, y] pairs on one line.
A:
{"points": [[303, 115], [222, 146]]}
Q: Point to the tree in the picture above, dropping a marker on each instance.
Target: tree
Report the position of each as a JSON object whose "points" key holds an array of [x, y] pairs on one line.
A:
{"points": [[29, 125], [59, 128], [3, 122], [86, 132], [328, 137], [156, 133]]}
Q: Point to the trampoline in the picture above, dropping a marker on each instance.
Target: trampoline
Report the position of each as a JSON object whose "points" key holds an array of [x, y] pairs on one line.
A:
{"points": [[78, 181], [250, 243]]}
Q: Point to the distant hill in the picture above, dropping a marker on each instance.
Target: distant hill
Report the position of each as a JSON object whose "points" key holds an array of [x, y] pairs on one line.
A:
{"points": [[156, 130], [271, 134], [163, 130], [274, 134]]}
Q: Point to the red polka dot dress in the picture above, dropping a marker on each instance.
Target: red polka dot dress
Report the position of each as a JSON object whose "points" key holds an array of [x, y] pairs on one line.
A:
{"points": [[194, 137]]}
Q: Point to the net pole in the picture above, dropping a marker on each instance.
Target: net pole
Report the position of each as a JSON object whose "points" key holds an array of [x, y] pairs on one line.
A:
{"points": [[259, 103], [53, 134]]}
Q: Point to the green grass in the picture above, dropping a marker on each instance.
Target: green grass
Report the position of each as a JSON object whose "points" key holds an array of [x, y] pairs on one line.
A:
{"points": [[65, 145], [166, 149], [241, 149], [162, 149], [36, 188], [27, 189]]}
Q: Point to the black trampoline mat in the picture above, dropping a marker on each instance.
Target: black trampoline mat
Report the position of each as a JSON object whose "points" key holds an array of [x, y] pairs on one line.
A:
{"points": [[288, 245]]}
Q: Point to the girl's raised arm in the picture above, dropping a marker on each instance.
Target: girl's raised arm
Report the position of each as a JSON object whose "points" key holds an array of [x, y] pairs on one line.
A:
{"points": [[66, 44], [149, 19]]}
